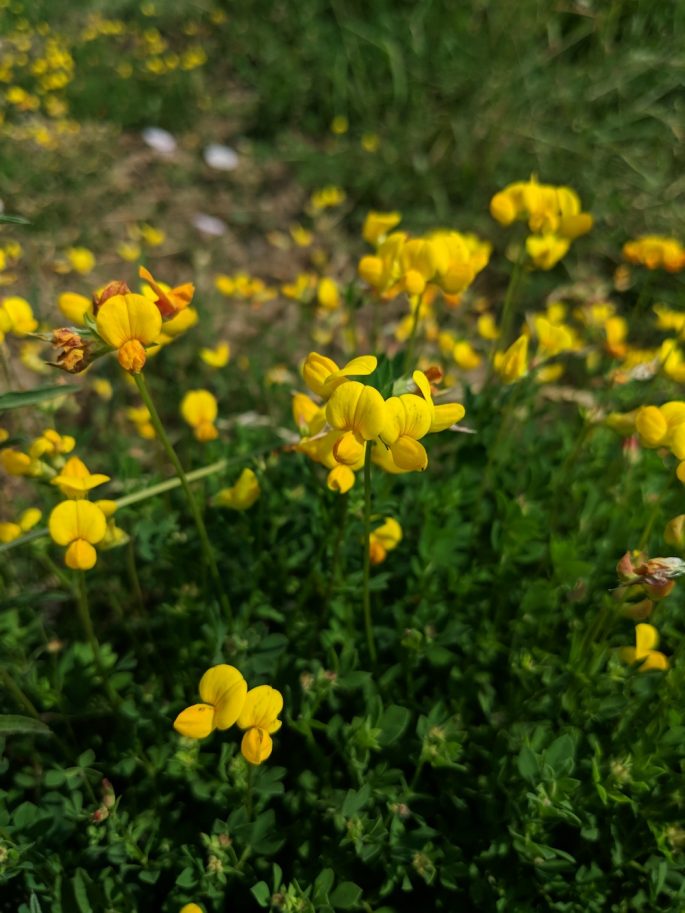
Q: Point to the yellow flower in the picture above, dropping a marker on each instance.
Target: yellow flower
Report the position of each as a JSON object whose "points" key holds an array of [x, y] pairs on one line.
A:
{"points": [[169, 300], [218, 357], [240, 496], [378, 224], [51, 443], [16, 317], [223, 690], [129, 251], [75, 307], [199, 408], [383, 539], [323, 376], [28, 519], [128, 323], [328, 295], [487, 328], [259, 716], [644, 651], [140, 417], [656, 252], [191, 908], [103, 388], [301, 236], [466, 356], [361, 413], [512, 364], [154, 237], [81, 259], [340, 125], [409, 419], [79, 525], [17, 463], [75, 480]]}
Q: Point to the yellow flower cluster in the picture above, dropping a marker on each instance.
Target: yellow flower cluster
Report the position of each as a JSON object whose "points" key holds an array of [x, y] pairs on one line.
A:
{"points": [[664, 426], [446, 260], [553, 213], [384, 539], [656, 252], [226, 701], [352, 415]]}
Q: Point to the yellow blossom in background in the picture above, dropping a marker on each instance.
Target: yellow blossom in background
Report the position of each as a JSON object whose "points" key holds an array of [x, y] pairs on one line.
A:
{"points": [[487, 328], [370, 142], [81, 260], [301, 289], [191, 908], [259, 717], [75, 480], [323, 376], [51, 443], [667, 319], [129, 251], [340, 125], [512, 364], [223, 690], [79, 525], [384, 539], [140, 416], [199, 408], [103, 388], [240, 496], [308, 415], [153, 237], [75, 307], [301, 236], [16, 316], [17, 463], [218, 357], [326, 198], [129, 323], [616, 331], [656, 252], [644, 651], [328, 294], [466, 356], [27, 520]]}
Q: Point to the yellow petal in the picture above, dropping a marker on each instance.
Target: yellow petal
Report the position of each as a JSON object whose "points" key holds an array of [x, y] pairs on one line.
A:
{"points": [[349, 449], [195, 722], [199, 407], [651, 425], [341, 479], [446, 415], [80, 556], [261, 708], [125, 317], [75, 307], [355, 407], [225, 688], [256, 746], [409, 454], [646, 639], [654, 660], [72, 520], [316, 369]]}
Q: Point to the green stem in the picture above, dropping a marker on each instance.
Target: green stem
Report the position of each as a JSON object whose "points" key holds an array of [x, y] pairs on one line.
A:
{"points": [[367, 553], [133, 576], [86, 621], [18, 694], [508, 309], [248, 791], [207, 550], [335, 562]]}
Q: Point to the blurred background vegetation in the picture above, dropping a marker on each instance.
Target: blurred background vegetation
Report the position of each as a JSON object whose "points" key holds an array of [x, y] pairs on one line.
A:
{"points": [[460, 97]]}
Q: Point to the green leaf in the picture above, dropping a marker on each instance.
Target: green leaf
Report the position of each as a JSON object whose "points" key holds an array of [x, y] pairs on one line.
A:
{"points": [[261, 893], [346, 895], [187, 878], [15, 399], [78, 883], [528, 765], [13, 724], [393, 724]]}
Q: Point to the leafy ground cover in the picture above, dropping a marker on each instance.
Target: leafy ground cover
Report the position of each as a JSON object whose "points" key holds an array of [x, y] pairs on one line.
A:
{"points": [[341, 459]]}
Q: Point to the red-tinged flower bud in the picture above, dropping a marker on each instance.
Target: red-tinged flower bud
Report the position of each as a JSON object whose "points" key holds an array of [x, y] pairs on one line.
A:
{"points": [[108, 796], [638, 611], [116, 287]]}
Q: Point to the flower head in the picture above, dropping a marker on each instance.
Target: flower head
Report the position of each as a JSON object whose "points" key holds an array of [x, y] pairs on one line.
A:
{"points": [[199, 409], [361, 413], [644, 651], [240, 496], [129, 323], [80, 525], [259, 717], [75, 480], [383, 539], [223, 690], [169, 300], [323, 376]]}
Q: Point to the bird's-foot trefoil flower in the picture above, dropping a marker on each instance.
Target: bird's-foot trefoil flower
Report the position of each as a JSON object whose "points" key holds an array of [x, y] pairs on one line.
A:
{"points": [[223, 690]]}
